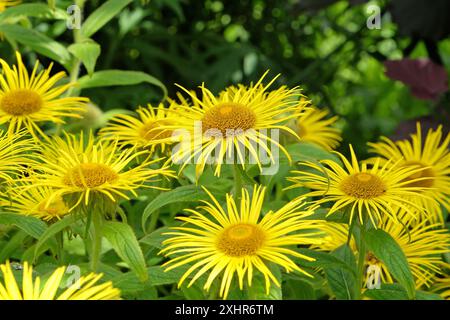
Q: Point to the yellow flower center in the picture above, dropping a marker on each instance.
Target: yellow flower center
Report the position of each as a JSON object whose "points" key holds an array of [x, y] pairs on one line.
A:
{"points": [[228, 117], [363, 185], [90, 175], [150, 131], [55, 208], [21, 102], [426, 173], [241, 240]]}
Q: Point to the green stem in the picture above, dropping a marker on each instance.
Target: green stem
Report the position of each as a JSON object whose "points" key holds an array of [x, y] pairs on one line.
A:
{"points": [[60, 241], [77, 38], [237, 182], [362, 250], [97, 235]]}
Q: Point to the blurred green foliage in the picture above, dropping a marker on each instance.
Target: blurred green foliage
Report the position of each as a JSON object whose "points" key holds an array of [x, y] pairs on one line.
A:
{"points": [[324, 47]]}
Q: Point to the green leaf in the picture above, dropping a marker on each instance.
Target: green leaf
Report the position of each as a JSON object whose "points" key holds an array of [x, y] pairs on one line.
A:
{"points": [[156, 276], [341, 281], [31, 225], [387, 292], [125, 244], [102, 15], [13, 245], [257, 291], [88, 52], [51, 3], [194, 292], [305, 151], [53, 230], [38, 10], [324, 260], [107, 78], [423, 295], [181, 194], [385, 248], [156, 238], [38, 42], [298, 290]]}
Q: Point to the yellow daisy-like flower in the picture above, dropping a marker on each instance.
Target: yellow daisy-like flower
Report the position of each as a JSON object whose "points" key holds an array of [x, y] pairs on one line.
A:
{"points": [[15, 155], [374, 191], [4, 4], [423, 245], [85, 288], [433, 156], [143, 132], [85, 167], [237, 126], [36, 201], [313, 126], [239, 241], [26, 100]]}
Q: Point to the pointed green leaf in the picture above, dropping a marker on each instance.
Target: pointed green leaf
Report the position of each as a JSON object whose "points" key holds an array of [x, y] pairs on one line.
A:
{"points": [[124, 242], [106, 78], [102, 15], [392, 291], [38, 42], [31, 225], [88, 52], [38, 10], [385, 248]]}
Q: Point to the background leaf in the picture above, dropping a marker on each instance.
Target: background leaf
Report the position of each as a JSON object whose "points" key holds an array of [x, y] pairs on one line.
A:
{"points": [[106, 78], [102, 15], [38, 42], [38, 10]]}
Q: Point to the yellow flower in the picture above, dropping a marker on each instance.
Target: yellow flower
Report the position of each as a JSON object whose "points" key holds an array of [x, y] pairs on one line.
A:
{"points": [[423, 245], [144, 132], [374, 191], [85, 168], [433, 156], [36, 201], [237, 126], [312, 126], [442, 285], [8, 3], [239, 240], [26, 100], [85, 288], [15, 155]]}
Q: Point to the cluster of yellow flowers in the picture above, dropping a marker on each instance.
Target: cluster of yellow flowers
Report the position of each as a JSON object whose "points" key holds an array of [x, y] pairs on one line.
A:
{"points": [[401, 191]]}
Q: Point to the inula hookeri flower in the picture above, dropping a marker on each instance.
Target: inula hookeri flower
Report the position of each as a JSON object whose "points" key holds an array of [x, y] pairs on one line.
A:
{"points": [[32, 288], [239, 240], [27, 99]]}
